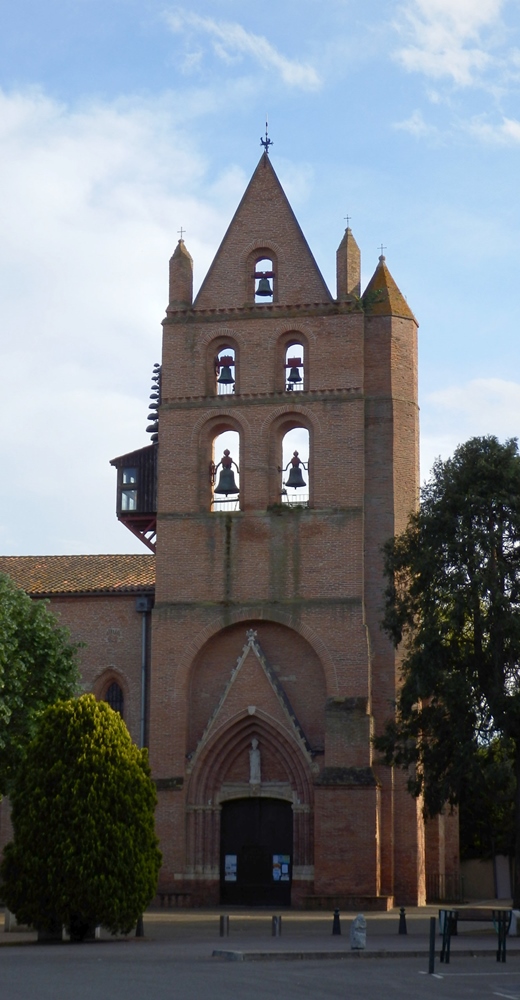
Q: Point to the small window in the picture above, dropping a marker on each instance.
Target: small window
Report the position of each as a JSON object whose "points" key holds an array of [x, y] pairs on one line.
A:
{"points": [[128, 489], [294, 368], [225, 371], [115, 698], [264, 280]]}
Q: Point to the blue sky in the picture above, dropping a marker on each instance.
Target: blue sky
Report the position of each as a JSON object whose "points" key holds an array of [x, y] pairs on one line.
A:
{"points": [[121, 120]]}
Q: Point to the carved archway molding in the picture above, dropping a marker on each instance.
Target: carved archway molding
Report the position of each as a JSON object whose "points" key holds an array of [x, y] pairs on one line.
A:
{"points": [[230, 740], [207, 790]]}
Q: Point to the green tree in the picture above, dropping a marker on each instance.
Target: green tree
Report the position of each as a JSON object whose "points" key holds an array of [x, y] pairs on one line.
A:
{"points": [[84, 849], [453, 602], [38, 665]]}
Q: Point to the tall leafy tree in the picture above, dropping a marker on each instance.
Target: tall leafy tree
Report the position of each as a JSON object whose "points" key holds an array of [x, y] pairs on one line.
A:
{"points": [[38, 665], [84, 850], [453, 604]]}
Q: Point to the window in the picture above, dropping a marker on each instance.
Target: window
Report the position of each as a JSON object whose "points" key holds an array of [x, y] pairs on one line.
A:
{"points": [[115, 698], [129, 489], [294, 368], [264, 280], [225, 474], [225, 371], [295, 468]]}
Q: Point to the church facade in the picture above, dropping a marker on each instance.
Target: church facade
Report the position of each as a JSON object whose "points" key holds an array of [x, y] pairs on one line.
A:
{"points": [[263, 672]]}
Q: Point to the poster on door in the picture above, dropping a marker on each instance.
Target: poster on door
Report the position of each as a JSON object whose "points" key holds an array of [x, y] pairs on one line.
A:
{"points": [[230, 867], [281, 867]]}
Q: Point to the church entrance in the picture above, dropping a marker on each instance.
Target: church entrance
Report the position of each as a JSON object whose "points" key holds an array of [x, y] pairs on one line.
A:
{"points": [[256, 852]]}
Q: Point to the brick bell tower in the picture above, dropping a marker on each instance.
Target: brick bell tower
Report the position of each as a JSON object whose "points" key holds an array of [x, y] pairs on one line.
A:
{"points": [[269, 669]]}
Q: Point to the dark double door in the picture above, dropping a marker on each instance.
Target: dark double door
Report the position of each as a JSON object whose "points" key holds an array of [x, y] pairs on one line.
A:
{"points": [[256, 850]]}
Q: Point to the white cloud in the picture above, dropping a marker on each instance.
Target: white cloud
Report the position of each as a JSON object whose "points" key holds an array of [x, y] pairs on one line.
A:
{"points": [[452, 415], [448, 38], [92, 201], [504, 133], [231, 42], [417, 126]]}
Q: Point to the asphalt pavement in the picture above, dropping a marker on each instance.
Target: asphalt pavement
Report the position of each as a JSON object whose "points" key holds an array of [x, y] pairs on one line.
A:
{"points": [[183, 957]]}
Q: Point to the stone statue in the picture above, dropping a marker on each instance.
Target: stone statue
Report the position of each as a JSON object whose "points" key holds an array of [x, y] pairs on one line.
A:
{"points": [[254, 763]]}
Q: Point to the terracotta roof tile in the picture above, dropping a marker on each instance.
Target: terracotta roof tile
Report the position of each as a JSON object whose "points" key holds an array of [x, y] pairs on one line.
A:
{"points": [[40, 575]]}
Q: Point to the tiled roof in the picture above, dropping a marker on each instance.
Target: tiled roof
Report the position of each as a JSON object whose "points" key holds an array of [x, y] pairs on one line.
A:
{"points": [[383, 297], [40, 575]]}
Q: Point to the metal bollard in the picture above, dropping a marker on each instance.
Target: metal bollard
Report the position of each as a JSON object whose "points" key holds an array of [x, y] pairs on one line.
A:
{"points": [[431, 964], [336, 923], [139, 930], [276, 926], [402, 921], [224, 925]]}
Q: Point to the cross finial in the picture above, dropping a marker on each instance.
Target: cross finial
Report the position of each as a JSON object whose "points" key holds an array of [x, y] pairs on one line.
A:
{"points": [[348, 218], [181, 231], [382, 249], [267, 141]]}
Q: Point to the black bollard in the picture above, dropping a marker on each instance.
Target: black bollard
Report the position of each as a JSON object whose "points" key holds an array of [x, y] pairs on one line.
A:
{"points": [[276, 926], [431, 963], [139, 930], [402, 921], [224, 926], [336, 923]]}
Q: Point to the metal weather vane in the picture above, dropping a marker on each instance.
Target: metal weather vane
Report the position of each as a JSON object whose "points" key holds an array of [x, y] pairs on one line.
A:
{"points": [[267, 141]]}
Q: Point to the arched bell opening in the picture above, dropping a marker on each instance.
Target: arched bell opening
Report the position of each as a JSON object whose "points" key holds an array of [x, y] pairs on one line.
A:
{"points": [[292, 362], [295, 478], [262, 285], [225, 471], [225, 371], [295, 368]]}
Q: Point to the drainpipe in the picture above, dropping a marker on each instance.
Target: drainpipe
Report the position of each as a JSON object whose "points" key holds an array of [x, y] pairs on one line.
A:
{"points": [[143, 605]]}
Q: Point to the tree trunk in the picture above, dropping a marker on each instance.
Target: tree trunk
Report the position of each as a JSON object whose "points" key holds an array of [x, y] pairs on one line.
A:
{"points": [[516, 885]]}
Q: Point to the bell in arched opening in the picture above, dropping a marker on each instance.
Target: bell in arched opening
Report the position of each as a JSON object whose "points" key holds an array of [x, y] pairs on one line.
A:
{"points": [[264, 287], [295, 478], [225, 377], [226, 483]]}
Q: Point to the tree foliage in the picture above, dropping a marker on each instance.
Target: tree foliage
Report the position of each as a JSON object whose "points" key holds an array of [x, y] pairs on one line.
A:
{"points": [[84, 849], [38, 665], [453, 604]]}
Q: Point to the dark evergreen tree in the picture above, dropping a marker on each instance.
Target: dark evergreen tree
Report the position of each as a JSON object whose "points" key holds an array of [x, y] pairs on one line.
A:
{"points": [[84, 849], [453, 603], [38, 665]]}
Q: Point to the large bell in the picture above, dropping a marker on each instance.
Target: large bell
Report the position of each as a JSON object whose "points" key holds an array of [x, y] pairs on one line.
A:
{"points": [[264, 288], [294, 375], [226, 483], [225, 377], [295, 477]]}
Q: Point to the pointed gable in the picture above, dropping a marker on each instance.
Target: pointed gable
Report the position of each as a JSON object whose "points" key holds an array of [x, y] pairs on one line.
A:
{"points": [[235, 697], [382, 296], [264, 226]]}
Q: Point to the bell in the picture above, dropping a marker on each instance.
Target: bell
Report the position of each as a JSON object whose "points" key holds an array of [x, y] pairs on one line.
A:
{"points": [[226, 482], [225, 377], [295, 477], [152, 428], [264, 288], [294, 375]]}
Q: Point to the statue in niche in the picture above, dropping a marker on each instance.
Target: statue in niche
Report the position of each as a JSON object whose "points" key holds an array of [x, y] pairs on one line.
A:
{"points": [[254, 763]]}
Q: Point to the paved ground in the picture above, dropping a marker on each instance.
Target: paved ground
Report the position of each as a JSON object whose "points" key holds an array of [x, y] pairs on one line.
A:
{"points": [[176, 961]]}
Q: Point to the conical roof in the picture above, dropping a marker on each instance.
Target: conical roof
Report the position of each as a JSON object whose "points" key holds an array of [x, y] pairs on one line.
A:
{"points": [[264, 226], [382, 296]]}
